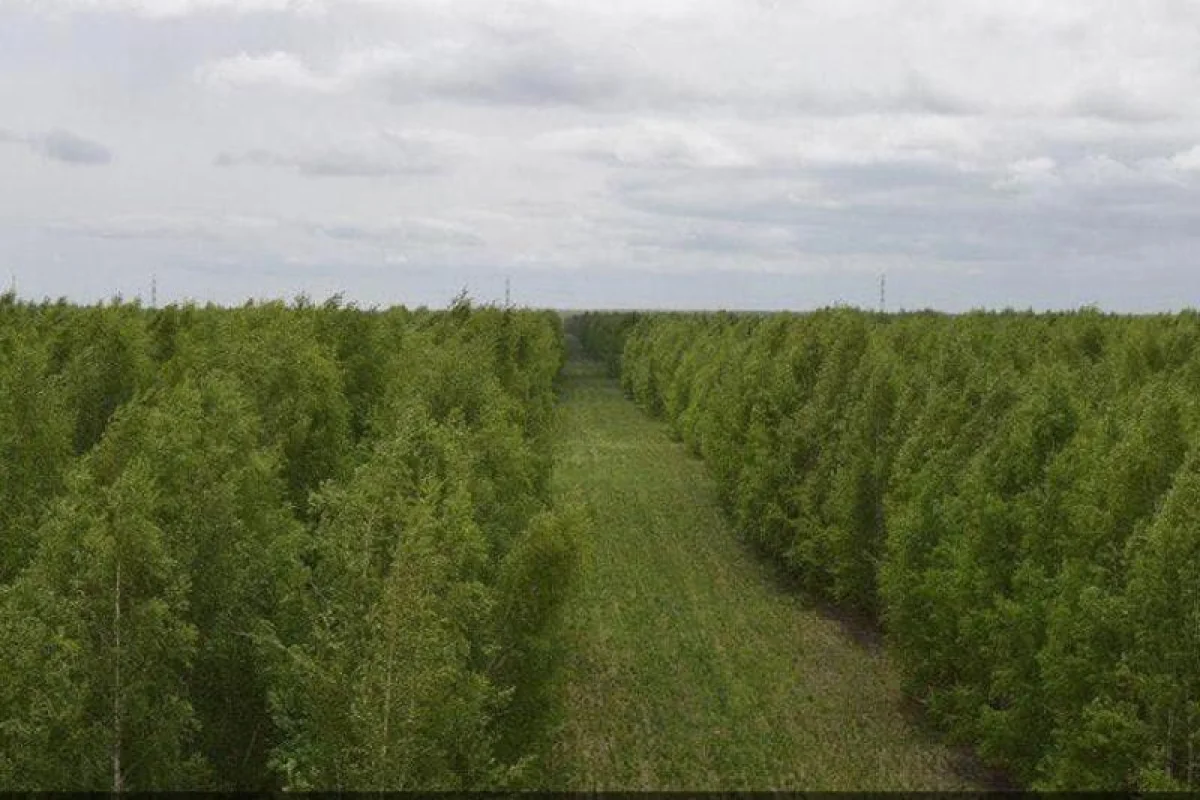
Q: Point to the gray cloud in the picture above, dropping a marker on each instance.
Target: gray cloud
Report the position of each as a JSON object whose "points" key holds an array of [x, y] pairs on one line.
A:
{"points": [[1109, 103], [647, 143], [990, 153], [383, 154], [162, 227], [485, 68], [411, 232], [62, 145], [542, 71], [1093, 207], [330, 163], [163, 9], [413, 229], [69, 148]]}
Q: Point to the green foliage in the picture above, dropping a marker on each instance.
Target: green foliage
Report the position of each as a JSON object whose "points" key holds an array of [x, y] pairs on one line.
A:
{"points": [[536, 578], [400, 606], [602, 336], [997, 490], [292, 378], [292, 550], [36, 430], [105, 359], [100, 614], [1163, 659]]}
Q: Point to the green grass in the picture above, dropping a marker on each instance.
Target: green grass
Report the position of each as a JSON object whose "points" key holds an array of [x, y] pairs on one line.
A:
{"points": [[687, 667]]}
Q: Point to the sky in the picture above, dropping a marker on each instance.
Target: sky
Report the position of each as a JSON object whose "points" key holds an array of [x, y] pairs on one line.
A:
{"points": [[742, 154]]}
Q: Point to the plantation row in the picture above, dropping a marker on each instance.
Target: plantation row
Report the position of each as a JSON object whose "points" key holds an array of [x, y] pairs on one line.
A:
{"points": [[276, 547], [1015, 497]]}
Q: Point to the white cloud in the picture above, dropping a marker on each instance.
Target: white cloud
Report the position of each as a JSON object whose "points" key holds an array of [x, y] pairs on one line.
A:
{"points": [[410, 231], [1128, 65], [473, 67], [864, 139], [332, 238], [270, 69], [146, 226], [379, 154], [647, 143], [1104, 170], [162, 9], [1188, 160], [1030, 173]]}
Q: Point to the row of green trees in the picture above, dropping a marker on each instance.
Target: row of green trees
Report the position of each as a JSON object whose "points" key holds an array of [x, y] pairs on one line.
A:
{"points": [[602, 335], [300, 547], [1014, 497]]}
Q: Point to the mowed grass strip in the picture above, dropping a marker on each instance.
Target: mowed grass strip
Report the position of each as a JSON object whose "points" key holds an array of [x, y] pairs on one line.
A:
{"points": [[687, 668]]}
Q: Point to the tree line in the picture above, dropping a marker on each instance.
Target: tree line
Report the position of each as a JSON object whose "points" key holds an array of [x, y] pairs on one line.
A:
{"points": [[300, 547], [1013, 497]]}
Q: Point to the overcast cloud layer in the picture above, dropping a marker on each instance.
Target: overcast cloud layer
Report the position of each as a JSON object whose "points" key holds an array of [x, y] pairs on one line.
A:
{"points": [[605, 153]]}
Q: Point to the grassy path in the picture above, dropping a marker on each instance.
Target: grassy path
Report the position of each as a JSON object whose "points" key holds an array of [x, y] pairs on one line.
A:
{"points": [[687, 667]]}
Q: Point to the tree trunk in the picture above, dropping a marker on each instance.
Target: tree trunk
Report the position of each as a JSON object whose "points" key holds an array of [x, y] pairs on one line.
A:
{"points": [[118, 777]]}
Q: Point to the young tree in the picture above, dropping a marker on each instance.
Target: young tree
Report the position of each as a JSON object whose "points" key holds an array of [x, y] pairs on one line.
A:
{"points": [[99, 649], [36, 430]]}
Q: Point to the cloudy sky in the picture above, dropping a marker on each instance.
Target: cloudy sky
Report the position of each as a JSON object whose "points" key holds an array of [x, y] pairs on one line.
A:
{"points": [[604, 153]]}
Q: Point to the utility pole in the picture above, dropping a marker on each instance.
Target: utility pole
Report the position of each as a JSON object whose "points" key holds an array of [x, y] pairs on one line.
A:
{"points": [[154, 291], [507, 292], [12, 283], [882, 292]]}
